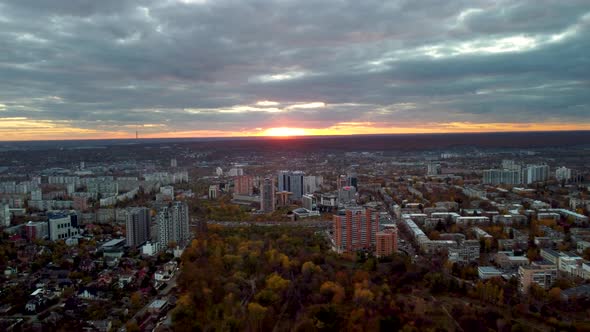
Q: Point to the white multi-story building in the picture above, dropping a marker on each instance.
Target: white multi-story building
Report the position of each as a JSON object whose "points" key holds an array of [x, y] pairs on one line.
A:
{"points": [[60, 179], [535, 173], [4, 215], [307, 201], [235, 171], [62, 225], [173, 225], [474, 220], [150, 248], [501, 176], [563, 173], [213, 191], [311, 183], [543, 276], [219, 171]]}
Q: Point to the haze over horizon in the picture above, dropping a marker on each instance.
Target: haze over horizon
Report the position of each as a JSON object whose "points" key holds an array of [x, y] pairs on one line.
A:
{"points": [[199, 68]]}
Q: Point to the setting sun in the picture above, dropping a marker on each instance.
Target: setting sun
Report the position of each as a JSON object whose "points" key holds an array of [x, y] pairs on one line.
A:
{"points": [[284, 131]]}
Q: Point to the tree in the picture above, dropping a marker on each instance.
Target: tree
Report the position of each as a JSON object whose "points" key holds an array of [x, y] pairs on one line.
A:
{"points": [[334, 291], [256, 314], [136, 300], [309, 268], [132, 326], [276, 283]]}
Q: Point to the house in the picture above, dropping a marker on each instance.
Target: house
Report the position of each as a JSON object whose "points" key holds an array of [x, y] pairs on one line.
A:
{"points": [[125, 279]]}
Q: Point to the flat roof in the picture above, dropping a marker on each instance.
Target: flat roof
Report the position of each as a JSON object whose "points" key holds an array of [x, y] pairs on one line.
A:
{"points": [[113, 242]]}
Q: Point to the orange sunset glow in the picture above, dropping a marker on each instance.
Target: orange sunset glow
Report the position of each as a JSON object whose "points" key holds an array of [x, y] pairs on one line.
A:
{"points": [[19, 129]]}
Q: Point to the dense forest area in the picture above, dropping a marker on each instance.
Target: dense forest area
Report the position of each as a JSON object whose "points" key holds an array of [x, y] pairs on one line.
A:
{"points": [[287, 279]]}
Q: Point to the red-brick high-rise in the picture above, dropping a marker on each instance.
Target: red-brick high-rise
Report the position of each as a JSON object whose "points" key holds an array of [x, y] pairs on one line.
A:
{"points": [[386, 242], [355, 229]]}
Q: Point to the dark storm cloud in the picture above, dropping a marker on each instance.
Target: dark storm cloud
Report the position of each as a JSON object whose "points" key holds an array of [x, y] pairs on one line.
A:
{"points": [[191, 65]]}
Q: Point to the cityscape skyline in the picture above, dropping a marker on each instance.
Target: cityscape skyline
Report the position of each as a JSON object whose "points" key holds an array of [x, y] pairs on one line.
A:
{"points": [[183, 68], [146, 235]]}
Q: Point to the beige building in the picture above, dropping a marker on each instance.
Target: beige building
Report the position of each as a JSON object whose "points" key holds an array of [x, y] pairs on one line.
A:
{"points": [[543, 276]]}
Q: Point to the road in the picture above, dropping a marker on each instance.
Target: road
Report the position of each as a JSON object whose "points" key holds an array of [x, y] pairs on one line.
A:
{"points": [[161, 294]]}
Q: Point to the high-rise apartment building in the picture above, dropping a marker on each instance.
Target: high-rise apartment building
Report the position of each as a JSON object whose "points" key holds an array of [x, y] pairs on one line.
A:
{"points": [[243, 185], [173, 225], [291, 181], [563, 173], [386, 242], [311, 183], [355, 229], [138, 226], [535, 173], [267, 195], [501, 176], [4, 215]]}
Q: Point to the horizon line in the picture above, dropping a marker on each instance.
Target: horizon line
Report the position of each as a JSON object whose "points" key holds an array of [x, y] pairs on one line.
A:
{"points": [[259, 137]]}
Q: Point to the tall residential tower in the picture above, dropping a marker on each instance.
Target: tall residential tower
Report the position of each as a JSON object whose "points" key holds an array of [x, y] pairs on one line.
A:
{"points": [[138, 226], [173, 225]]}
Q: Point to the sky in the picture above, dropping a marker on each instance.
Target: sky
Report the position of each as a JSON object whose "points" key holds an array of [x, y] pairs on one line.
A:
{"points": [[194, 68]]}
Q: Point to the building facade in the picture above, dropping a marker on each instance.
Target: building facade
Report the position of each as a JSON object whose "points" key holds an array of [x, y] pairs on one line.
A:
{"points": [[563, 173], [355, 229], [386, 242], [501, 176], [138, 226], [536, 173], [62, 225], [291, 181], [243, 185], [173, 225], [267, 195], [36, 230], [542, 276], [4, 215]]}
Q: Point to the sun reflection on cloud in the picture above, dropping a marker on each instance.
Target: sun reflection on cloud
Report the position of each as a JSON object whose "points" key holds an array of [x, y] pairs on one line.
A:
{"points": [[284, 132]]}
